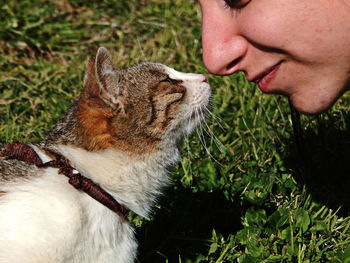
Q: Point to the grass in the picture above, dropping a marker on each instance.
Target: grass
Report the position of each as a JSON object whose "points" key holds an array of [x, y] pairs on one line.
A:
{"points": [[258, 198]]}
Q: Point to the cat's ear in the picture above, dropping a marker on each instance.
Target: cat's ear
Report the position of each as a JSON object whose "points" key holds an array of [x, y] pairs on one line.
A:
{"points": [[107, 77], [101, 78]]}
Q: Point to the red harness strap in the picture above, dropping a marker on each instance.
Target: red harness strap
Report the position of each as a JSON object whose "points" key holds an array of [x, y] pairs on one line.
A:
{"points": [[24, 152]]}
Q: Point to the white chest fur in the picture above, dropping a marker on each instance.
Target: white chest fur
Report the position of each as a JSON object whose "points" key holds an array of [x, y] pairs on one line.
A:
{"points": [[134, 182], [46, 220]]}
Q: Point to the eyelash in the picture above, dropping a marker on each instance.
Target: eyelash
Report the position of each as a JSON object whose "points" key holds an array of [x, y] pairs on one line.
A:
{"points": [[235, 4]]}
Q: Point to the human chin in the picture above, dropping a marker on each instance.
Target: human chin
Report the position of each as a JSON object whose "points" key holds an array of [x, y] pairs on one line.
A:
{"points": [[315, 100]]}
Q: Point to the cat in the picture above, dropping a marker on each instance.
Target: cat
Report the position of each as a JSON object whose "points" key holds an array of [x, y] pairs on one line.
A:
{"points": [[123, 133]]}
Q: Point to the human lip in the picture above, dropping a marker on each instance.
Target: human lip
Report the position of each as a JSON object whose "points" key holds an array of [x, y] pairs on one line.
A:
{"points": [[265, 78]]}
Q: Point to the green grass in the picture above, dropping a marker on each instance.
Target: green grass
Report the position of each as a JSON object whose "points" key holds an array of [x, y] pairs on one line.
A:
{"points": [[259, 198]]}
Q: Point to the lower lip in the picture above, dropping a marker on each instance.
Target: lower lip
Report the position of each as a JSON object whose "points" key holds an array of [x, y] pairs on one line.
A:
{"points": [[264, 83]]}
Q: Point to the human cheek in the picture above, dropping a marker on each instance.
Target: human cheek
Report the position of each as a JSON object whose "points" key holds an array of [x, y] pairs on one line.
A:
{"points": [[263, 27], [284, 27]]}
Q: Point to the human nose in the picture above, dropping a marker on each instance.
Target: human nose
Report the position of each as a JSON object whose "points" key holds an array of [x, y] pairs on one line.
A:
{"points": [[223, 46]]}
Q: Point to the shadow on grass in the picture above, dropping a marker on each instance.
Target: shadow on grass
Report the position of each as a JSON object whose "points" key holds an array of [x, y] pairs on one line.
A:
{"points": [[184, 224], [322, 163]]}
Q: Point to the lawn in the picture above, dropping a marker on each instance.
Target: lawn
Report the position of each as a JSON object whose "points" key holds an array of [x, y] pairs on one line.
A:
{"points": [[246, 190]]}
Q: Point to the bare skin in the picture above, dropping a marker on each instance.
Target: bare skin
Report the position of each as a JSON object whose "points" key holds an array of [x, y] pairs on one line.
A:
{"points": [[297, 48]]}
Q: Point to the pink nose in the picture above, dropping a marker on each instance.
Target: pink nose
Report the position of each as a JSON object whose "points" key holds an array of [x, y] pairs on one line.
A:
{"points": [[204, 79]]}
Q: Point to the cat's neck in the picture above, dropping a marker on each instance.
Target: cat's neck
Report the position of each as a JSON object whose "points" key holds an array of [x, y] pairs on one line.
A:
{"points": [[134, 181]]}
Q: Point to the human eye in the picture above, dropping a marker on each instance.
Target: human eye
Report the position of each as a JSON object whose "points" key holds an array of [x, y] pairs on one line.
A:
{"points": [[236, 4]]}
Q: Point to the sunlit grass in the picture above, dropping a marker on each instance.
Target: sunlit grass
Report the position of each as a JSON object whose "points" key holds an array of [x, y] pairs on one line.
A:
{"points": [[255, 197]]}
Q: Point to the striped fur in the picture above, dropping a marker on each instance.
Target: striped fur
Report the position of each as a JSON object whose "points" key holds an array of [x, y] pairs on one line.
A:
{"points": [[124, 132]]}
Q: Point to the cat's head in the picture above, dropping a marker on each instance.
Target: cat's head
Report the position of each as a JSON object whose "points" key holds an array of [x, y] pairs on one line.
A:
{"points": [[139, 108]]}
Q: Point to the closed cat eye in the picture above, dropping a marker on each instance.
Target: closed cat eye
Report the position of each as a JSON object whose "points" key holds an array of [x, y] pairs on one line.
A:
{"points": [[172, 81]]}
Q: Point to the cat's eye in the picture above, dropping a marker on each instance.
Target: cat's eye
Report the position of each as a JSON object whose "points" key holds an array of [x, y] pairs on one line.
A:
{"points": [[236, 4], [172, 81]]}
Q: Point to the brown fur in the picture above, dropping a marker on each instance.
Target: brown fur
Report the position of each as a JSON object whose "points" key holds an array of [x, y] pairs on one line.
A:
{"points": [[94, 126], [126, 109], [103, 123], [123, 134]]}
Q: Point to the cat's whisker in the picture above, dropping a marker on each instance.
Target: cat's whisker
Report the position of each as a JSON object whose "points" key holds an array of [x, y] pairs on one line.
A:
{"points": [[211, 134], [221, 147], [196, 115], [200, 122], [202, 140], [217, 119], [203, 143]]}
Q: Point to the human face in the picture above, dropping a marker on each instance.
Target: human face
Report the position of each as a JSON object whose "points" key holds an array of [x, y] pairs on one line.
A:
{"points": [[293, 47]]}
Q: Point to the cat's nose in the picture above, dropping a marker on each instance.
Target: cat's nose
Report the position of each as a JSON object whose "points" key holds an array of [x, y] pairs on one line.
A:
{"points": [[200, 77]]}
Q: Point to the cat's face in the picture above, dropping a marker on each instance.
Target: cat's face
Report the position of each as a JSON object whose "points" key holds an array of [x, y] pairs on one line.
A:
{"points": [[137, 108]]}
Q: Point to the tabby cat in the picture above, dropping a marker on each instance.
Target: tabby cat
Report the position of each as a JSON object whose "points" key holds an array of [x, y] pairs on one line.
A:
{"points": [[122, 135]]}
